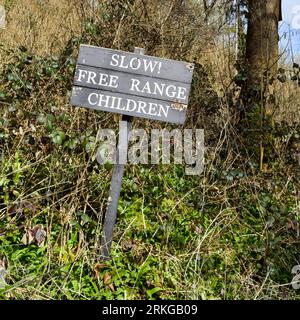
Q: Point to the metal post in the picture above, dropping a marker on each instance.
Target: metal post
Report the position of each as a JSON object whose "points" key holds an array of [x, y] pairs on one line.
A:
{"points": [[116, 182]]}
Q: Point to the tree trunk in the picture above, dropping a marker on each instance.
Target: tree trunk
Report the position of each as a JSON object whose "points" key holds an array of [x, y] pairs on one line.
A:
{"points": [[261, 62], [262, 44]]}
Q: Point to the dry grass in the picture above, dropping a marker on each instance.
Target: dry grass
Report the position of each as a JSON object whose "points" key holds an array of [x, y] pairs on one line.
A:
{"points": [[43, 27], [288, 102]]}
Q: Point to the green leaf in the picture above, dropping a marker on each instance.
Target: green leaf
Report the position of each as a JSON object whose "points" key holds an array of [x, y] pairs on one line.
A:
{"points": [[57, 139], [151, 292], [41, 119]]}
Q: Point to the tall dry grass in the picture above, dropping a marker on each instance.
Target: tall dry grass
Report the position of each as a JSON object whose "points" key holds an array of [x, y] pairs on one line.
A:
{"points": [[43, 27]]}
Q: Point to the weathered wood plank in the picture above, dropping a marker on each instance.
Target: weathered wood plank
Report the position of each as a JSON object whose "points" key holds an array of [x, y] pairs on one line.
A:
{"points": [[128, 104], [139, 85], [136, 64]]}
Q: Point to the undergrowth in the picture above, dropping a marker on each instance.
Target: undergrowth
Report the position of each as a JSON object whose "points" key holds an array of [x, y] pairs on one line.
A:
{"points": [[230, 233]]}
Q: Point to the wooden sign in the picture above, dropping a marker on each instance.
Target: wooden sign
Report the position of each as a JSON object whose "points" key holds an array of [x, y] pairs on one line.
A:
{"points": [[132, 84], [135, 85]]}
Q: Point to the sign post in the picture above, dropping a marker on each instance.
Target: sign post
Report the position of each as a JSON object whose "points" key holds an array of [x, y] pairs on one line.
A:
{"points": [[116, 183], [133, 85]]}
